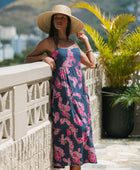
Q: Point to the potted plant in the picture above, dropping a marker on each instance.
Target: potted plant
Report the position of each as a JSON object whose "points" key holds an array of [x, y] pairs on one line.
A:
{"points": [[118, 58], [127, 97]]}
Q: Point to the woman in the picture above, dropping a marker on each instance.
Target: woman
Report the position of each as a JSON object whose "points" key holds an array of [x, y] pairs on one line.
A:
{"points": [[72, 133]]}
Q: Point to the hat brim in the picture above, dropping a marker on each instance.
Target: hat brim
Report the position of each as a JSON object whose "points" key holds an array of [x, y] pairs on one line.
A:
{"points": [[44, 22]]}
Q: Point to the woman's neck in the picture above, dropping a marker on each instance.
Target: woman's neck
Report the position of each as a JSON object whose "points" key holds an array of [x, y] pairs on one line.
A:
{"points": [[62, 36]]}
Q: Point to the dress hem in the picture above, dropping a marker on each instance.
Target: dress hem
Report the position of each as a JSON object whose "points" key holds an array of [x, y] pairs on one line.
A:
{"points": [[76, 164]]}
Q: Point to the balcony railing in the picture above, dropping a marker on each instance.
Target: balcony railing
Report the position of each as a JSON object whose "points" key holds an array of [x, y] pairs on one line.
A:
{"points": [[25, 127]]}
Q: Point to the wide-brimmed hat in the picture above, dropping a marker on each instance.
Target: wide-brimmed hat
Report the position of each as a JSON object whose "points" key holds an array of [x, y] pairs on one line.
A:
{"points": [[44, 19]]}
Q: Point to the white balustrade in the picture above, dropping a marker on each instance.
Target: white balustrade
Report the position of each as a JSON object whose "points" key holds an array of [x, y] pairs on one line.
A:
{"points": [[25, 128]]}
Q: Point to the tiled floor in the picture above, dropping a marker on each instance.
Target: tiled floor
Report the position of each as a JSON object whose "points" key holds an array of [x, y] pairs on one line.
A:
{"points": [[115, 154]]}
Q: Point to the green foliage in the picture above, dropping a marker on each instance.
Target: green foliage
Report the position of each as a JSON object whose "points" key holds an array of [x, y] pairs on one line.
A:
{"points": [[118, 55], [129, 96], [9, 62], [18, 59]]}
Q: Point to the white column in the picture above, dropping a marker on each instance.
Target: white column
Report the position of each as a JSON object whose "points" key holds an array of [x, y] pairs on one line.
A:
{"points": [[19, 111]]}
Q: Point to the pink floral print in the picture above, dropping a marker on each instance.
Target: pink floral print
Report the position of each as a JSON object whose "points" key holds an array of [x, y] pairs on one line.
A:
{"points": [[72, 133]]}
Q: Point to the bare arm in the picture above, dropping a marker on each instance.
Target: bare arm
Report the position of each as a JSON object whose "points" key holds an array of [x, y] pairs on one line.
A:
{"points": [[38, 54], [88, 58]]}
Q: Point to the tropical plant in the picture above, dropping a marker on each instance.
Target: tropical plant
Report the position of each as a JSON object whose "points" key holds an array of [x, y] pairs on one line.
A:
{"points": [[127, 97], [118, 56]]}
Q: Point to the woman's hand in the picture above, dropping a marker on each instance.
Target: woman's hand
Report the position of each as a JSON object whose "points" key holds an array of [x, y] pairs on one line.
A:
{"points": [[88, 57], [81, 36], [50, 61]]}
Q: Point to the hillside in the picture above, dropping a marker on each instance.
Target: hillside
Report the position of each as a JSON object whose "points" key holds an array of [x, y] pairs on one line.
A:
{"points": [[23, 13]]}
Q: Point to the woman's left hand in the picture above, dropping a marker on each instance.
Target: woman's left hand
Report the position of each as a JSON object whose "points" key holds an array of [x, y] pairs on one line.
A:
{"points": [[81, 36]]}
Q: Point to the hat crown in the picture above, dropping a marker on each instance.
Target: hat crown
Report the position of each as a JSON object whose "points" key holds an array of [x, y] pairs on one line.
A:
{"points": [[44, 19], [62, 9]]}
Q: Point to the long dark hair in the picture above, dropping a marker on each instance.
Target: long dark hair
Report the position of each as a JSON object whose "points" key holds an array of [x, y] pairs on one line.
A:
{"points": [[53, 31]]}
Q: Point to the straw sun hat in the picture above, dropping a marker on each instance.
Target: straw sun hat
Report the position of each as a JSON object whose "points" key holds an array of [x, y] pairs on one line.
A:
{"points": [[44, 19]]}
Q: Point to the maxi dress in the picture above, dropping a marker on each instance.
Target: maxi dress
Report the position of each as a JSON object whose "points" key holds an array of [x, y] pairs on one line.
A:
{"points": [[72, 132]]}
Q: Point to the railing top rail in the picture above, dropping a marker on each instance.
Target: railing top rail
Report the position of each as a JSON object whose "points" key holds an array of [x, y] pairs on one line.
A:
{"points": [[19, 74]]}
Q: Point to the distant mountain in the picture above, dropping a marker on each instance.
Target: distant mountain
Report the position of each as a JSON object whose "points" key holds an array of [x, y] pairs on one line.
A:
{"points": [[23, 13], [3, 3]]}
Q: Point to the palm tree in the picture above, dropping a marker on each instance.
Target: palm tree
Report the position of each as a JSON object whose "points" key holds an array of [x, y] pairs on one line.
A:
{"points": [[118, 56]]}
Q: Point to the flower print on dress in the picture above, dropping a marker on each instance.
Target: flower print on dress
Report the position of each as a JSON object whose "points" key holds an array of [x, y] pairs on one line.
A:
{"points": [[69, 59], [80, 85], [75, 81], [87, 98], [69, 132], [80, 107], [69, 91], [92, 157], [56, 116], [84, 120], [58, 95], [72, 133], [57, 156], [62, 73], [79, 140], [67, 160], [58, 153], [70, 54], [77, 95], [54, 54], [79, 73], [62, 140], [85, 88], [58, 84], [78, 121], [65, 108], [58, 165], [89, 121], [71, 128], [77, 156], [56, 131]]}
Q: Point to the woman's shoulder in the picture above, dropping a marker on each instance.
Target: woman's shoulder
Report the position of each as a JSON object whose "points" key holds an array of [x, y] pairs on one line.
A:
{"points": [[46, 41], [46, 44], [74, 43]]}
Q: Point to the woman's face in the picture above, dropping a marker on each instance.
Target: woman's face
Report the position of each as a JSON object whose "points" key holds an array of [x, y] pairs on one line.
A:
{"points": [[60, 21]]}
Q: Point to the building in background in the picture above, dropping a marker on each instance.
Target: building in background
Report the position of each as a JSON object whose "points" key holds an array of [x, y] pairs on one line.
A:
{"points": [[16, 44], [33, 40], [22, 42], [19, 43], [6, 52], [7, 33]]}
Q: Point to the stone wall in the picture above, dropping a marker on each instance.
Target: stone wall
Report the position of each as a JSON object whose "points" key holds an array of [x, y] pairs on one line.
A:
{"points": [[25, 128]]}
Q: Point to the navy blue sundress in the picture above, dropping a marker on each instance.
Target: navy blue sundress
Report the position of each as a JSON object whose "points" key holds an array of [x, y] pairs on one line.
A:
{"points": [[72, 132]]}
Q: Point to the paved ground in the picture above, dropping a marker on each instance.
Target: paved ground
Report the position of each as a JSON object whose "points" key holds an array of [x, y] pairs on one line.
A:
{"points": [[117, 154]]}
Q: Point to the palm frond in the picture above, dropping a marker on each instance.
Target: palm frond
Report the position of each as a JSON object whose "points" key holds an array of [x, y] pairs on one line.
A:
{"points": [[130, 95], [96, 11], [98, 40], [106, 54], [118, 28], [118, 56], [132, 41], [123, 20]]}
